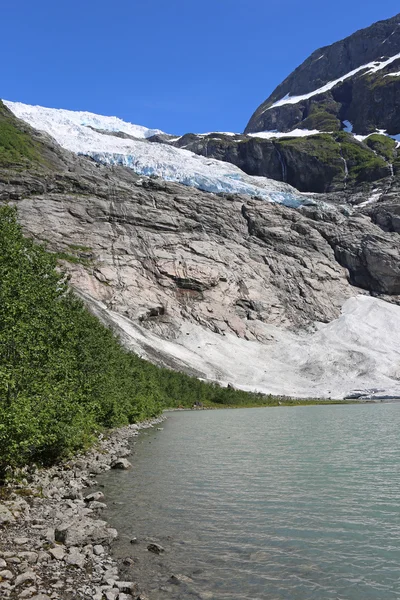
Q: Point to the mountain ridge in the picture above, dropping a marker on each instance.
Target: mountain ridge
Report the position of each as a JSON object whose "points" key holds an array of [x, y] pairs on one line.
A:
{"points": [[331, 62]]}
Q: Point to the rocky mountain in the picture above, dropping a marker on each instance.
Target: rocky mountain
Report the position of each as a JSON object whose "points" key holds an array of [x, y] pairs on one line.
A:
{"points": [[332, 125], [279, 294], [356, 80]]}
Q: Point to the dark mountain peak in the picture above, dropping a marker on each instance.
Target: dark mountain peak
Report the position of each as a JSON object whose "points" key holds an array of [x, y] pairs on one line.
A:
{"points": [[375, 43]]}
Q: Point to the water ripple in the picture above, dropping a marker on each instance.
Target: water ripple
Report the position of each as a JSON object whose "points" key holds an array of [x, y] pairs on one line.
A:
{"points": [[270, 504]]}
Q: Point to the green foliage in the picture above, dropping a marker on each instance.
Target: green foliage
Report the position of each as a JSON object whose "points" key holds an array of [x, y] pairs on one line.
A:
{"points": [[323, 116], [362, 162], [382, 145], [16, 146], [63, 375], [76, 258], [321, 146]]}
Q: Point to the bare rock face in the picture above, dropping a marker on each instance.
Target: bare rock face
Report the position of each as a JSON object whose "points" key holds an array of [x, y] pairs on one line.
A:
{"points": [[160, 253], [164, 255]]}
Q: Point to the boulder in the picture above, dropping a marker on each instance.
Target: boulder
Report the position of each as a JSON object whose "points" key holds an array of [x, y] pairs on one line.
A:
{"points": [[84, 531], [121, 463]]}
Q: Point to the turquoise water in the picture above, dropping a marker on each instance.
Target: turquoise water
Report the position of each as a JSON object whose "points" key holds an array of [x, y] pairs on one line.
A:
{"points": [[280, 503]]}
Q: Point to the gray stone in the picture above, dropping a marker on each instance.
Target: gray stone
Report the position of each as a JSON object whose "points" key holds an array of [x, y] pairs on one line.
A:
{"points": [[58, 552], [97, 505], [30, 557], [98, 550], [125, 586], [178, 579], [6, 574], [84, 531], [155, 548], [3, 563], [29, 576], [76, 559], [43, 556], [94, 497], [121, 463], [27, 593], [6, 515]]}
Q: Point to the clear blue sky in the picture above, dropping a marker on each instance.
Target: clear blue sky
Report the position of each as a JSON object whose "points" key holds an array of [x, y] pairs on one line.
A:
{"points": [[178, 65]]}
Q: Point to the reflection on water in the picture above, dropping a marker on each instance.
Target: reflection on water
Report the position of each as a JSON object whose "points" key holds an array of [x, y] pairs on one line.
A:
{"points": [[282, 503]]}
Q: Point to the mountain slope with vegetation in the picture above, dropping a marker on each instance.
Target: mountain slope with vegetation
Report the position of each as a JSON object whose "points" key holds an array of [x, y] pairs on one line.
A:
{"points": [[63, 375]]}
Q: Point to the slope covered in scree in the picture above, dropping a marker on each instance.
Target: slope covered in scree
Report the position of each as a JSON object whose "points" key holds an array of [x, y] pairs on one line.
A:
{"points": [[111, 141]]}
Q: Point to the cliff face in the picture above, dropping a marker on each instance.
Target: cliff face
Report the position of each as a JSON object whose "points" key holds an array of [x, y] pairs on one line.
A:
{"points": [[315, 163]]}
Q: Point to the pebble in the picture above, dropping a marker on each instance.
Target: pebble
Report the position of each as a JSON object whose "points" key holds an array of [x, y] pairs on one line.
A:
{"points": [[79, 563]]}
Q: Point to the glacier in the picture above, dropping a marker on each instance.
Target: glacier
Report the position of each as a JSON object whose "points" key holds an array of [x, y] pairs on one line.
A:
{"points": [[95, 136]]}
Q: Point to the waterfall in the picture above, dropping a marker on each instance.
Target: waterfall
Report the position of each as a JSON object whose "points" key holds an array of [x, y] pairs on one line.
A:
{"points": [[283, 164], [346, 168]]}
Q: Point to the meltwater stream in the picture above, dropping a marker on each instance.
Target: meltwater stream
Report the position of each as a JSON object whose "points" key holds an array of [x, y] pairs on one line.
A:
{"points": [[264, 504]]}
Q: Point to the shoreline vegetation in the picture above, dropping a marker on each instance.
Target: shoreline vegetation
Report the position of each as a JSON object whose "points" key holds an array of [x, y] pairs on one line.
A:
{"points": [[64, 377]]}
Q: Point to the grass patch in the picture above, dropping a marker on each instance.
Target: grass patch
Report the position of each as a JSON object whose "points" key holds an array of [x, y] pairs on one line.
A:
{"points": [[16, 146], [382, 145]]}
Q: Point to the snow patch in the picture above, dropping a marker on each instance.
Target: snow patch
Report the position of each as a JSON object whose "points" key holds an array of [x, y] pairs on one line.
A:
{"points": [[373, 198], [70, 118], [229, 133], [279, 134], [373, 67]]}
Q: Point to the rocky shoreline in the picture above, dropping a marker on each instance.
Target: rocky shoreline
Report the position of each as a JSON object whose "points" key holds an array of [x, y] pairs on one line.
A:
{"points": [[53, 542]]}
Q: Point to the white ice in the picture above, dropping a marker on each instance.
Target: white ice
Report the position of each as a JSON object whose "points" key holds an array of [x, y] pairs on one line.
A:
{"points": [[73, 131]]}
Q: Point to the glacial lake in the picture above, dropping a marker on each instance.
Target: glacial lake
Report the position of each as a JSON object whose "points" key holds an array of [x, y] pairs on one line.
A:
{"points": [[299, 503]]}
